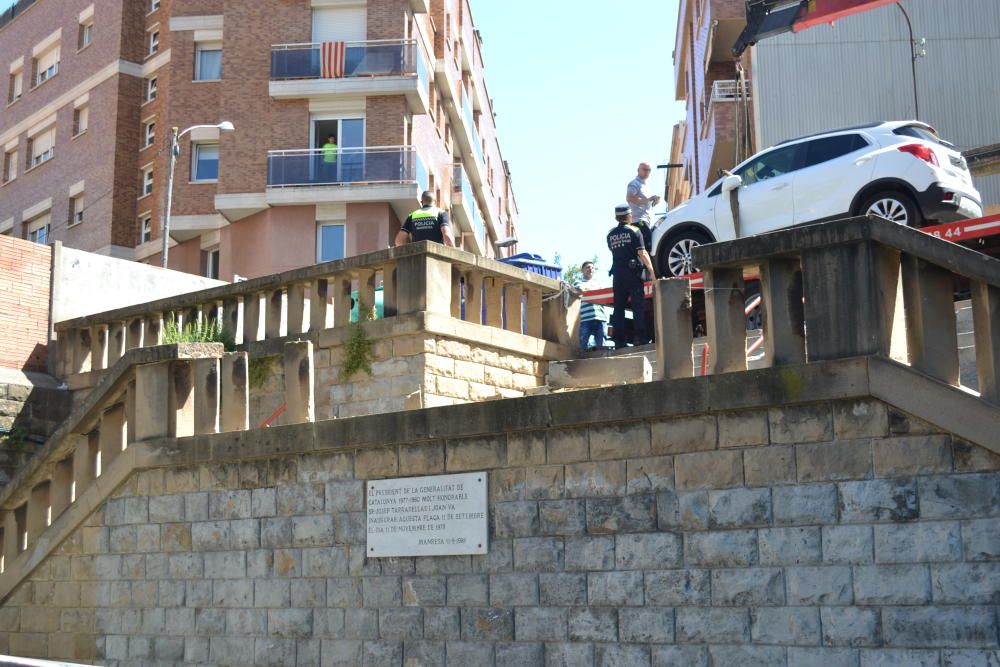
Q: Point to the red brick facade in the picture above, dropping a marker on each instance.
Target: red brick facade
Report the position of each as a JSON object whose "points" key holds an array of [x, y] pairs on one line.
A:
{"points": [[25, 278]]}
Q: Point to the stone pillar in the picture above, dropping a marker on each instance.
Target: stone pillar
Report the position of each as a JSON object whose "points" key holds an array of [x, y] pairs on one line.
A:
{"points": [[341, 301], [674, 329], [231, 320], [319, 304], [474, 297], [296, 317], [389, 299], [154, 330], [38, 511], [113, 432], [423, 284], [456, 293], [117, 336], [82, 350], [61, 489], [533, 313], [152, 402], [274, 321], [11, 536], [725, 320], [986, 321], [299, 382], [493, 295], [784, 335], [512, 307], [561, 320], [135, 331], [84, 462], [65, 352], [931, 329], [850, 299], [366, 293], [206, 396], [235, 392], [251, 317], [181, 403], [99, 347]]}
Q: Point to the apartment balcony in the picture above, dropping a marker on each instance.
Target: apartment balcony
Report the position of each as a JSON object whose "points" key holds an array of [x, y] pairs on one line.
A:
{"points": [[378, 67], [465, 208], [392, 174]]}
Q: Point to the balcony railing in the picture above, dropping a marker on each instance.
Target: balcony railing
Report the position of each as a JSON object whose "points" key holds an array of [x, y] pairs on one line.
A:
{"points": [[470, 121], [361, 59], [374, 164], [463, 188], [727, 90]]}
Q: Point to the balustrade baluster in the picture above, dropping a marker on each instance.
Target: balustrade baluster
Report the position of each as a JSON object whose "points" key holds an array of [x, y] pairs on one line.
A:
{"points": [[931, 329], [136, 328], [341, 300], [512, 307], [113, 434], [494, 302], [235, 394], [299, 382], [319, 304], [674, 332], [38, 512], [533, 313], [366, 293], [116, 342], [61, 490], [206, 396], [784, 333], [82, 350], [251, 317], [99, 347], [296, 318], [474, 297], [389, 300], [726, 323], [986, 321]]}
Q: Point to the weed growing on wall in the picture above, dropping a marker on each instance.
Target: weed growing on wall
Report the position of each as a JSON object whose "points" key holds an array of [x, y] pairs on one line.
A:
{"points": [[259, 370], [205, 331], [359, 350]]}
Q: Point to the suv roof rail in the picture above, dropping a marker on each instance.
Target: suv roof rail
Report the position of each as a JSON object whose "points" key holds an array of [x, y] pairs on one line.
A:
{"points": [[843, 129]]}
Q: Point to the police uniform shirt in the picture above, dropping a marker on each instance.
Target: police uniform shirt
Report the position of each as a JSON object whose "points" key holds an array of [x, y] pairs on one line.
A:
{"points": [[625, 242], [425, 224]]}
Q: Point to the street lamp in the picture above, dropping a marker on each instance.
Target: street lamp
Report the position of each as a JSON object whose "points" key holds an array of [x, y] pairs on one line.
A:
{"points": [[175, 150]]}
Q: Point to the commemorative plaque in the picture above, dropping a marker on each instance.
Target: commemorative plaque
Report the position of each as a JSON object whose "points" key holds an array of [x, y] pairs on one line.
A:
{"points": [[443, 515]]}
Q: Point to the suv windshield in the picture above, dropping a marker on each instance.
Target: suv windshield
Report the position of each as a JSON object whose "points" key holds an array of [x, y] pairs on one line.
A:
{"points": [[917, 132]]}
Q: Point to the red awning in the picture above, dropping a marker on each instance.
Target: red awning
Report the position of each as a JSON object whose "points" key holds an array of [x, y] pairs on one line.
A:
{"points": [[826, 11]]}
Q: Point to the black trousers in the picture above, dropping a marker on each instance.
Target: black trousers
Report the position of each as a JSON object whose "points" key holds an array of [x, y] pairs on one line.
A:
{"points": [[628, 290]]}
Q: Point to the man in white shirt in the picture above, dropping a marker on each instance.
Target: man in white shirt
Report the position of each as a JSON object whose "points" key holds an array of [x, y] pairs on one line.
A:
{"points": [[641, 203]]}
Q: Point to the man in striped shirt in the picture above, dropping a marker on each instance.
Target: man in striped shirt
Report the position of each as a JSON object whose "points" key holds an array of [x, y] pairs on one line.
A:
{"points": [[593, 316]]}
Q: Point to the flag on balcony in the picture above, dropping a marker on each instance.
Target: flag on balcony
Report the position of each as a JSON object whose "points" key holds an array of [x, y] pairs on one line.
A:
{"points": [[332, 54]]}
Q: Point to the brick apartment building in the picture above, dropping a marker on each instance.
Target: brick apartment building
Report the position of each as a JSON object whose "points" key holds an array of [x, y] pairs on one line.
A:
{"points": [[94, 87], [717, 131]]}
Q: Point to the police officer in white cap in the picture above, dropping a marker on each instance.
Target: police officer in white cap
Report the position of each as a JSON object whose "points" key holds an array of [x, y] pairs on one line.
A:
{"points": [[629, 257]]}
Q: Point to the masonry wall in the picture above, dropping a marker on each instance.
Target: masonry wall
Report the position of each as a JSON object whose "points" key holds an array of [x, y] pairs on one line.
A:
{"points": [[828, 534], [25, 275]]}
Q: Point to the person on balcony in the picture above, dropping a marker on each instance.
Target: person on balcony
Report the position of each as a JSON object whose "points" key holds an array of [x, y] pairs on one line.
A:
{"points": [[629, 257], [593, 316], [427, 223], [328, 163], [641, 204]]}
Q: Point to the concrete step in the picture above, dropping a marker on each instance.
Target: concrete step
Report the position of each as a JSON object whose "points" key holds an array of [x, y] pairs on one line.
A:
{"points": [[600, 372]]}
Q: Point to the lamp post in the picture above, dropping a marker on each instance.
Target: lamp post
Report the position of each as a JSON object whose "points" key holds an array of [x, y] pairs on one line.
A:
{"points": [[914, 54], [175, 149]]}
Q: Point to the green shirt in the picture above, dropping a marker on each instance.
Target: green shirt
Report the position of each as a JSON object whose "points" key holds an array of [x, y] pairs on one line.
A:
{"points": [[329, 152]]}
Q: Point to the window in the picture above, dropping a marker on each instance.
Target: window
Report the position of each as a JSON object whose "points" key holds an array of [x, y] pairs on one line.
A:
{"points": [[46, 65], [208, 62], [153, 5], [149, 133], [85, 35], [822, 150], [15, 86], [151, 89], [212, 263], [41, 147], [37, 230], [76, 210], [147, 181], [917, 132], [81, 117], [146, 227], [205, 162], [153, 40], [330, 242], [774, 163], [9, 166]]}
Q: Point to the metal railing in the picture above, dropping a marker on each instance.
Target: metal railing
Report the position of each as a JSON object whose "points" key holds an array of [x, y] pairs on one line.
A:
{"points": [[463, 187], [727, 90], [370, 164], [374, 58]]}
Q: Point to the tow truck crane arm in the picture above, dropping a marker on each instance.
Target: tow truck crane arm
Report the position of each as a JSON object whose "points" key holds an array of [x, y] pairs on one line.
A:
{"points": [[767, 18]]}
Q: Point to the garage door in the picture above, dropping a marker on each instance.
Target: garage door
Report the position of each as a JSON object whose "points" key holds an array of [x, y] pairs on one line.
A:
{"points": [[349, 24]]}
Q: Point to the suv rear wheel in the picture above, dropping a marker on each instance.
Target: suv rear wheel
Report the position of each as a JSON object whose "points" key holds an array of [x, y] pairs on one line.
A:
{"points": [[895, 206], [674, 257]]}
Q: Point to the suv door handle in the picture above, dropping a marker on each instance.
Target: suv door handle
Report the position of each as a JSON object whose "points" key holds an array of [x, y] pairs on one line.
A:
{"points": [[862, 160], [780, 186]]}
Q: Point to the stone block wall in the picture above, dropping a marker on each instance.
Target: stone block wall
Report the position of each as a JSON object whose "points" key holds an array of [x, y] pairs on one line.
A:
{"points": [[835, 533], [439, 369]]}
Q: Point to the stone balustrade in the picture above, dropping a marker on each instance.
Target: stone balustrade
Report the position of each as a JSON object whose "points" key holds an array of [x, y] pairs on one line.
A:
{"points": [[168, 391], [421, 277], [836, 290]]}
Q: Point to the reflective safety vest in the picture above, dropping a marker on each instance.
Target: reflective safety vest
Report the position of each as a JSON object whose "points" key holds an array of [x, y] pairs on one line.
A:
{"points": [[330, 152]]}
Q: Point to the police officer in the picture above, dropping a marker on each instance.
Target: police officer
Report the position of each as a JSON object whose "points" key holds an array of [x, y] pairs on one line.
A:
{"points": [[629, 257], [427, 223]]}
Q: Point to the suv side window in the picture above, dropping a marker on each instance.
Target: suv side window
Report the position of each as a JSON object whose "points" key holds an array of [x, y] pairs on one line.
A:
{"points": [[829, 148], [778, 162]]}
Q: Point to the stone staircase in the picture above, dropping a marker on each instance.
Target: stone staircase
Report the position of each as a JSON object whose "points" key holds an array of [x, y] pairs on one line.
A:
{"points": [[32, 405]]}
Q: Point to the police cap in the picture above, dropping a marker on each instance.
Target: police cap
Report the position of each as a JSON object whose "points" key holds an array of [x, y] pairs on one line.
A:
{"points": [[622, 209]]}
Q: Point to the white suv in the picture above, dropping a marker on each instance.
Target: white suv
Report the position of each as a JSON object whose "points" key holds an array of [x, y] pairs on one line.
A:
{"points": [[899, 170]]}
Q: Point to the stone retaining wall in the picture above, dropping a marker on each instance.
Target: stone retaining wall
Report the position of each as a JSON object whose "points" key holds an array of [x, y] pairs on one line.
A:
{"points": [[835, 533]]}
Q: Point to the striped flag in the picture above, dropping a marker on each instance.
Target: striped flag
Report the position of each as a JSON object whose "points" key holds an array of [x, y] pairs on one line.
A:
{"points": [[332, 54]]}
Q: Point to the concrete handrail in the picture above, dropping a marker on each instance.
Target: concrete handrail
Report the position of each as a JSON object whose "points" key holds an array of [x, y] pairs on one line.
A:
{"points": [[848, 288], [419, 277]]}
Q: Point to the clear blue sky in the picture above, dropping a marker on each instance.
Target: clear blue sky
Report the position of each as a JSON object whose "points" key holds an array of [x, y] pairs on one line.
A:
{"points": [[583, 93]]}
